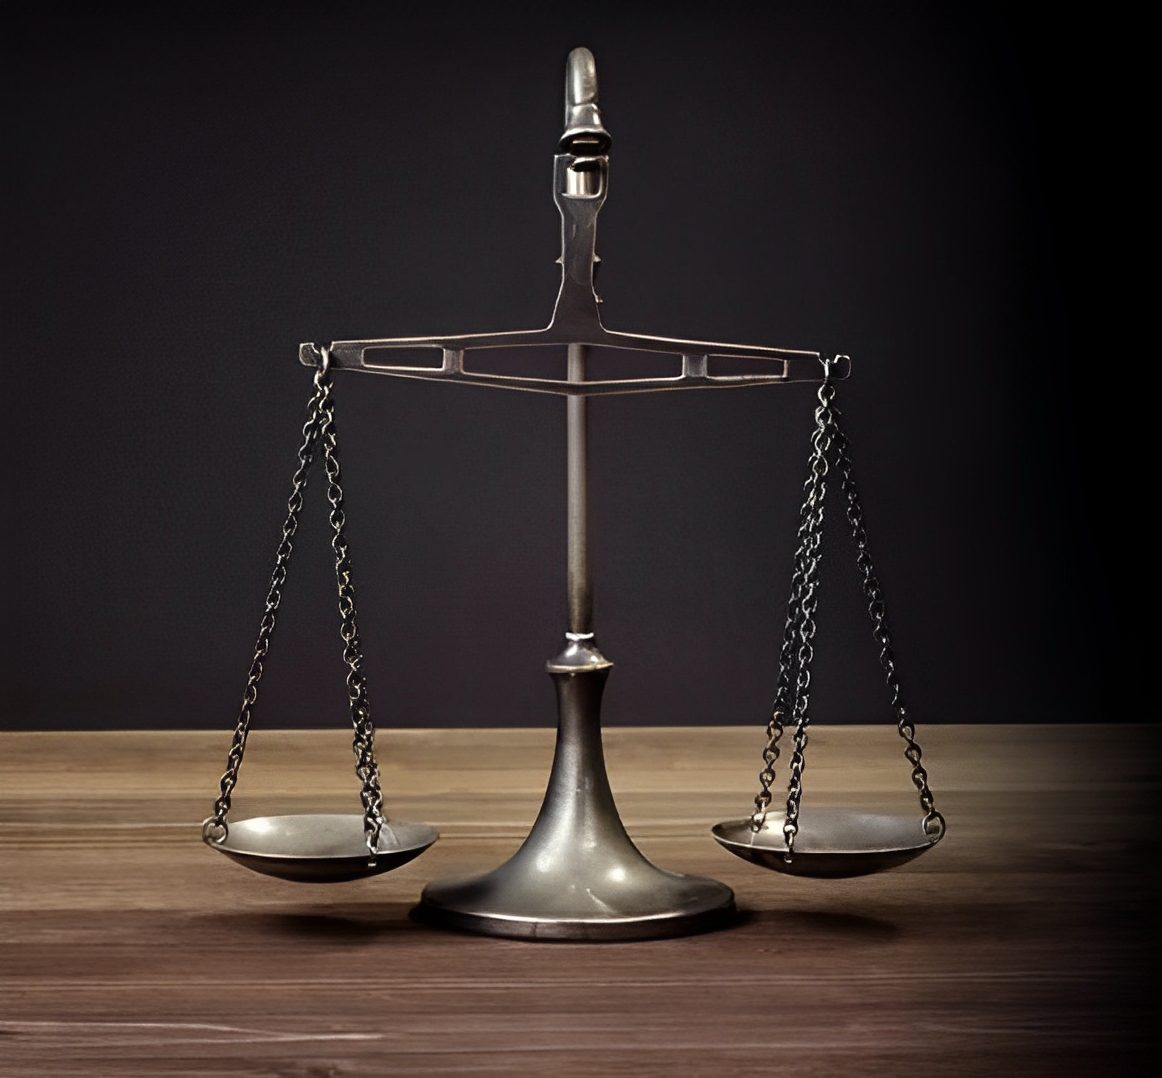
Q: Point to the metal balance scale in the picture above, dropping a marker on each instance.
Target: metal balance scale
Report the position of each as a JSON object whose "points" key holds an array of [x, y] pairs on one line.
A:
{"points": [[578, 876]]}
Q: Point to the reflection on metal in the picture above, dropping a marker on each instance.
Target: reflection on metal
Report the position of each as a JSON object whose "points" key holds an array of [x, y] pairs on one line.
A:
{"points": [[323, 847], [830, 843], [578, 875]]}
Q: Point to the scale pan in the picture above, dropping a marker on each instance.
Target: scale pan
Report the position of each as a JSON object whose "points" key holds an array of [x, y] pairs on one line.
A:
{"points": [[322, 847], [831, 843]]}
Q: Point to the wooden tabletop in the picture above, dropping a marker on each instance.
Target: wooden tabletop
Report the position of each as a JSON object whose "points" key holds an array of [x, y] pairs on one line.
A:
{"points": [[1020, 946]]}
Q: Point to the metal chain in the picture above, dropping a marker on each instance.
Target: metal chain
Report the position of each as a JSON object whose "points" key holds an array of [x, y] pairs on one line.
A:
{"points": [[215, 828], [783, 704], [320, 424], [809, 601], [934, 824], [363, 743], [829, 445]]}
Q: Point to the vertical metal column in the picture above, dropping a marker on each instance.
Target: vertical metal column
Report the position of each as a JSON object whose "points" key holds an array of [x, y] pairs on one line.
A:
{"points": [[580, 580], [578, 875]]}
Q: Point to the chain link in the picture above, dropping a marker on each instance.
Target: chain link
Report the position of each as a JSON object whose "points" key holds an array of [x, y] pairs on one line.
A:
{"points": [[829, 448], [319, 426], [215, 828], [816, 494], [934, 824], [363, 743], [785, 694]]}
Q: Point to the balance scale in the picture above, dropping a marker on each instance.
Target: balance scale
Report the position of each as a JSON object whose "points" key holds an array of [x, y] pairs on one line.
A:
{"points": [[578, 875]]}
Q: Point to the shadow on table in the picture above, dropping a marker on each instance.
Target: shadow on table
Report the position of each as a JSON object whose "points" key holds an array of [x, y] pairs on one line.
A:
{"points": [[356, 923], [338, 924], [850, 926]]}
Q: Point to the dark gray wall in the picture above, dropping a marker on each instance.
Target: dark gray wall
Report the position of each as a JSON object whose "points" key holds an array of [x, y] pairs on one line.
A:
{"points": [[193, 191]]}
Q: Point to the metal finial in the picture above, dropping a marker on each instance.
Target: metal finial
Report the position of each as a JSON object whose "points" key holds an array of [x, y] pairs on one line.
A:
{"points": [[584, 133]]}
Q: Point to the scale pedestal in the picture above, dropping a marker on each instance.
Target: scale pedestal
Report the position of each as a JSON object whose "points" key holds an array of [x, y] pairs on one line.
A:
{"points": [[578, 876]]}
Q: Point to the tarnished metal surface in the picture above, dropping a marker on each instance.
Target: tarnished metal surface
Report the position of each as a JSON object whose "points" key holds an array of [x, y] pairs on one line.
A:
{"points": [[322, 847], [830, 843], [580, 579], [578, 875], [580, 187]]}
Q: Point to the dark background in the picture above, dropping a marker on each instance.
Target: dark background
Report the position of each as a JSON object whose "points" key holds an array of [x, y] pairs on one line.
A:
{"points": [[191, 191]]}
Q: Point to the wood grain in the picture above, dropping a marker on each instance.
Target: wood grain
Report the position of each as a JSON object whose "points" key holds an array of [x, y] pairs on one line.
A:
{"points": [[1021, 946]]}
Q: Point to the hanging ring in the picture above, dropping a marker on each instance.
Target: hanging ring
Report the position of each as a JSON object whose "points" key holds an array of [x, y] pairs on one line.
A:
{"points": [[934, 826], [324, 360], [833, 365], [214, 831]]}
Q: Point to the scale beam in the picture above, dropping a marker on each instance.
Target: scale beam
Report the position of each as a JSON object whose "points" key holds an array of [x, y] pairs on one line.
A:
{"points": [[580, 187], [783, 366]]}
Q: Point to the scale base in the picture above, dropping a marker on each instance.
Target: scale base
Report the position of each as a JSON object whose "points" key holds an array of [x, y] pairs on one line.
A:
{"points": [[578, 876], [519, 902]]}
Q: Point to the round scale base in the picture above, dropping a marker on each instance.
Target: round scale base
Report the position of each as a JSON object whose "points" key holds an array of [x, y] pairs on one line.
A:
{"points": [[650, 904]]}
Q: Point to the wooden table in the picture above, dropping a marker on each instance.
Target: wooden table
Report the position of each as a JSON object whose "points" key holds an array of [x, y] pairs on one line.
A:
{"points": [[1020, 946]]}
